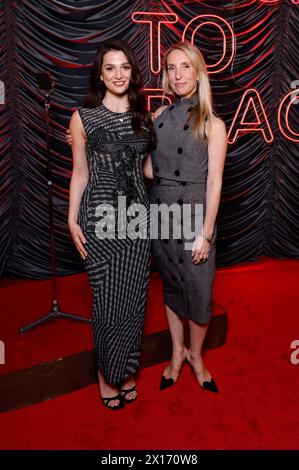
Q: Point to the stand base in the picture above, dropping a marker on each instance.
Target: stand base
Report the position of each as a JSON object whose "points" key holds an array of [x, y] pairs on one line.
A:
{"points": [[54, 314]]}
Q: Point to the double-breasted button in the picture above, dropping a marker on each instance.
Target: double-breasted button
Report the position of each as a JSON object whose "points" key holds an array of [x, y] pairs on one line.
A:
{"points": [[186, 127], [165, 241], [181, 261], [180, 150], [177, 173], [161, 125], [179, 241], [180, 201]]}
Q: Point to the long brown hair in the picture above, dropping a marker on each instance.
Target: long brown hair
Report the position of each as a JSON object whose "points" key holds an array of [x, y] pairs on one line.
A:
{"points": [[204, 111], [137, 100]]}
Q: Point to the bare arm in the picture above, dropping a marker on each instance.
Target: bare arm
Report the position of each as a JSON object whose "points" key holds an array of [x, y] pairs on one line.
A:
{"points": [[216, 156], [148, 167], [79, 181], [217, 152]]}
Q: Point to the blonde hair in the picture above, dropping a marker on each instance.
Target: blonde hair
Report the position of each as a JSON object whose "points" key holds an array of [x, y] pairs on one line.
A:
{"points": [[204, 111]]}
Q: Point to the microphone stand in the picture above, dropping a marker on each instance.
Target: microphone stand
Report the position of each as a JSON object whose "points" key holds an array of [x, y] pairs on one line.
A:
{"points": [[55, 311]]}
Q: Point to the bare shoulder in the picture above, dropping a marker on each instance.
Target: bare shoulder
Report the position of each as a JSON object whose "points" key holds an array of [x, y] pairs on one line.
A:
{"points": [[159, 111], [75, 121], [216, 128], [217, 125], [76, 116], [76, 126]]}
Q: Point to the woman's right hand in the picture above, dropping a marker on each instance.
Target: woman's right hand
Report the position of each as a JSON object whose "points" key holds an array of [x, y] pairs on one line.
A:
{"points": [[68, 137], [148, 167], [78, 239]]}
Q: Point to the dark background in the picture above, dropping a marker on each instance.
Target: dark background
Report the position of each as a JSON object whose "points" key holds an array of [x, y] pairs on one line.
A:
{"points": [[259, 208]]}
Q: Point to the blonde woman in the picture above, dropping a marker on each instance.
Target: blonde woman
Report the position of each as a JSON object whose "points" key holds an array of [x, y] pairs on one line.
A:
{"points": [[187, 168]]}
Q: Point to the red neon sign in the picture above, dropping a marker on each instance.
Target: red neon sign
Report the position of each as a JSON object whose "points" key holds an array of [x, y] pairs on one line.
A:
{"points": [[250, 100], [277, 1], [227, 33], [155, 93], [260, 125], [282, 104], [154, 19]]}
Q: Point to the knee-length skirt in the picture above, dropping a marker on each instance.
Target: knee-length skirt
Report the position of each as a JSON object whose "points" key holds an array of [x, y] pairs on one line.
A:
{"points": [[187, 287]]}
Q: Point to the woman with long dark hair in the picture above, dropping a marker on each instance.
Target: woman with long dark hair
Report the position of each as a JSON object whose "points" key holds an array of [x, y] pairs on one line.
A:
{"points": [[111, 136]]}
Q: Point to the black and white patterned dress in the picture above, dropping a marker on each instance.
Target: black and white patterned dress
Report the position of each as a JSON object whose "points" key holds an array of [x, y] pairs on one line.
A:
{"points": [[118, 267]]}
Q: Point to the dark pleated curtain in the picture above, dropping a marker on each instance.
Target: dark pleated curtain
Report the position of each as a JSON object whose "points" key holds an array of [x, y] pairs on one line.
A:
{"points": [[259, 207]]}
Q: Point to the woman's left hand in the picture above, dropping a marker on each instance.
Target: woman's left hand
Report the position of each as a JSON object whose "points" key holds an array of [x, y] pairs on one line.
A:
{"points": [[68, 137], [200, 250]]}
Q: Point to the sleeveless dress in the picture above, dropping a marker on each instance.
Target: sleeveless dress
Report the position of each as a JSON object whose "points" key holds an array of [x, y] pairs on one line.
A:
{"points": [[180, 167], [117, 264]]}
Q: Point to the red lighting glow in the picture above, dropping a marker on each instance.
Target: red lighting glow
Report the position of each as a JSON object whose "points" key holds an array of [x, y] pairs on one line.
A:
{"points": [[226, 31], [154, 19], [250, 98], [290, 134]]}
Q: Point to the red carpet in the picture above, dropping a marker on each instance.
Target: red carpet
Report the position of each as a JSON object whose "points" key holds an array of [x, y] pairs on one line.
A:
{"points": [[23, 301], [257, 407]]}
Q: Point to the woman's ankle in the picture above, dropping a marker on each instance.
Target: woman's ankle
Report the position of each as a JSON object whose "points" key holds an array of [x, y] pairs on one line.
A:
{"points": [[179, 352]]}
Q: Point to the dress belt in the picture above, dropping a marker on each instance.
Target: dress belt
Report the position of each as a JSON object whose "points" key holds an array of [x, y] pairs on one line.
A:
{"points": [[158, 181]]}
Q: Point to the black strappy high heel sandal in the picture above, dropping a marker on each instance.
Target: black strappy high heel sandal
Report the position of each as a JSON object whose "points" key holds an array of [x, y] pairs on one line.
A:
{"points": [[125, 391], [106, 402]]}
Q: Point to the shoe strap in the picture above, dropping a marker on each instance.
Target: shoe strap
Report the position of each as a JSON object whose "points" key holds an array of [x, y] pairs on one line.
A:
{"points": [[128, 390], [108, 400]]}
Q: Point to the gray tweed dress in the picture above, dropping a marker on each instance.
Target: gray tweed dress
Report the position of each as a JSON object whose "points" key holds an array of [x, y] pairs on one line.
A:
{"points": [[180, 168]]}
